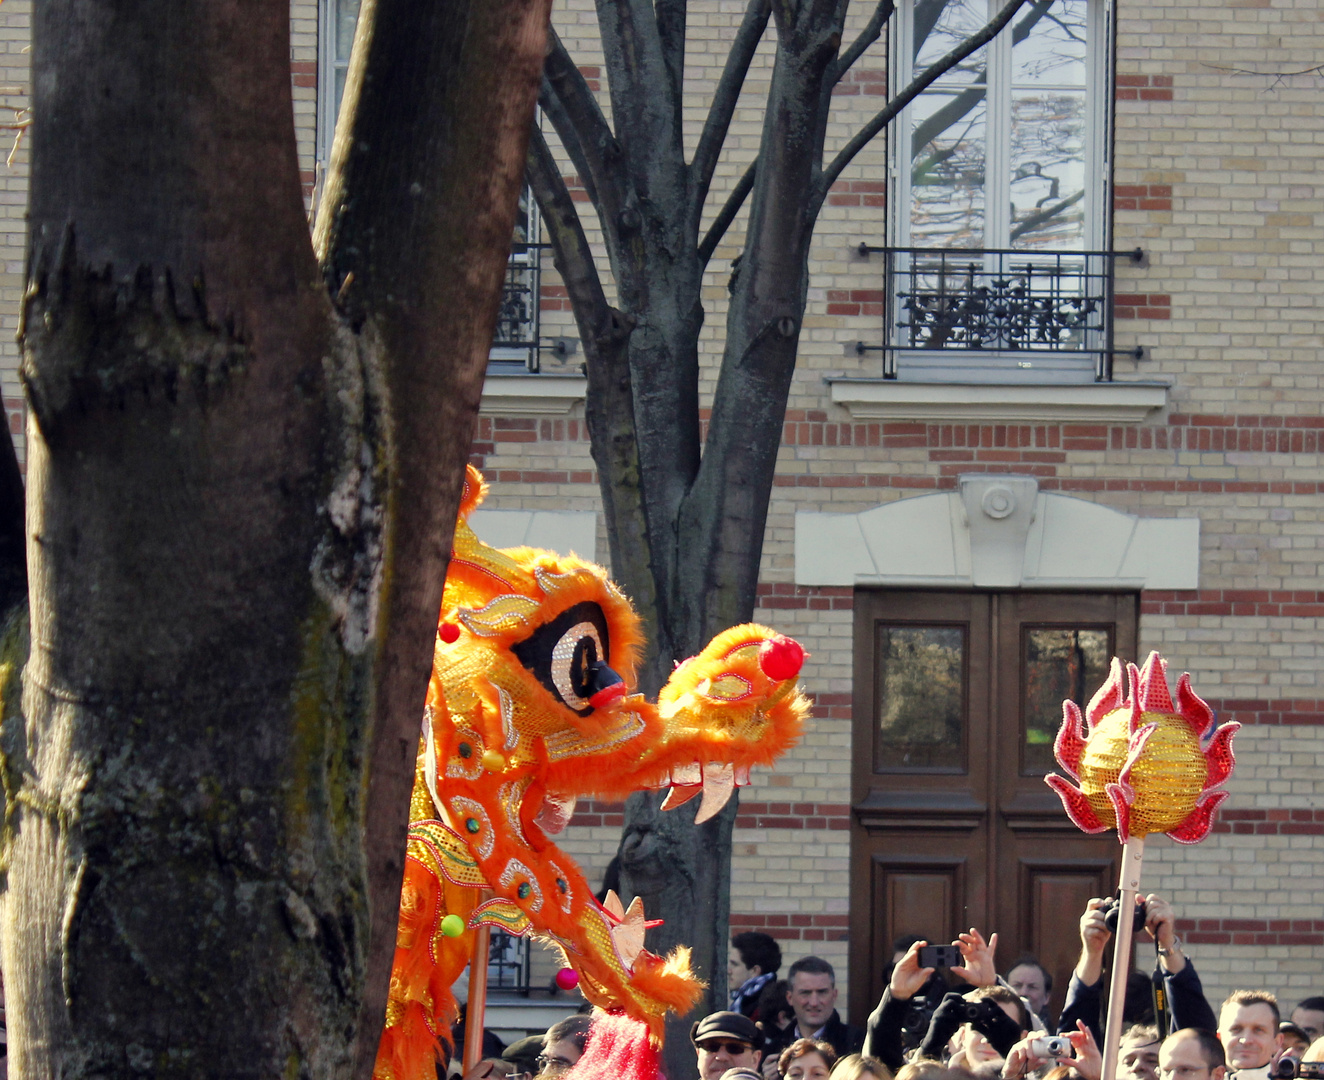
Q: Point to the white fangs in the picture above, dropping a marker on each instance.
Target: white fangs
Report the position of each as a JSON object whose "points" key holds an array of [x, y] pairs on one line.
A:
{"points": [[628, 933], [715, 781]]}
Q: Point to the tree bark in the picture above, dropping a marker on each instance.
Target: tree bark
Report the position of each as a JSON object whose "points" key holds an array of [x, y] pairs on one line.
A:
{"points": [[239, 513]]}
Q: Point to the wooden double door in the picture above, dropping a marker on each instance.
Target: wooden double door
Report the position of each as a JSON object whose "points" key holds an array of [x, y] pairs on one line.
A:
{"points": [[957, 700]]}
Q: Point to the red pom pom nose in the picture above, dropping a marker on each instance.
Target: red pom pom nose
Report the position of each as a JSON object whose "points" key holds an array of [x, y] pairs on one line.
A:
{"points": [[449, 633], [781, 657]]}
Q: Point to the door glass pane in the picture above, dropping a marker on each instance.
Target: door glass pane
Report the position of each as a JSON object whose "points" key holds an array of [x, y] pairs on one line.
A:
{"points": [[1059, 663], [921, 699]]}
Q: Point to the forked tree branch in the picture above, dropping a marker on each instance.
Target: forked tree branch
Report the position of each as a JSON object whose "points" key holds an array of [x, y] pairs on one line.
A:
{"points": [[917, 86], [723, 106], [867, 36], [727, 214]]}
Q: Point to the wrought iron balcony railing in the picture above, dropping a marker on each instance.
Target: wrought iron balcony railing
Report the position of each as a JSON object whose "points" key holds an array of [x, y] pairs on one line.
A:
{"points": [[946, 300], [517, 327]]}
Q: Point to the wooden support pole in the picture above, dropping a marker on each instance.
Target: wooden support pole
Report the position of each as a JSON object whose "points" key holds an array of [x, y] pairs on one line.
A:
{"points": [[1133, 853]]}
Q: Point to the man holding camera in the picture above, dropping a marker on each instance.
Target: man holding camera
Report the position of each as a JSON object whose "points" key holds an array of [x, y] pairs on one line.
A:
{"points": [[1185, 995]]}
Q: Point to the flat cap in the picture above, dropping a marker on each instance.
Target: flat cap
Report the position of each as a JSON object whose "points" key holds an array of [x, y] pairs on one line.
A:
{"points": [[727, 1025]]}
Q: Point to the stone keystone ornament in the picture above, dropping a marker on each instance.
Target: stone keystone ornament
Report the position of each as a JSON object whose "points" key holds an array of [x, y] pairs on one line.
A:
{"points": [[1144, 765]]}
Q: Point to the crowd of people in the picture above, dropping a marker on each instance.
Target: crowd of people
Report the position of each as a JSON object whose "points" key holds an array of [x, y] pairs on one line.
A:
{"points": [[967, 1022]]}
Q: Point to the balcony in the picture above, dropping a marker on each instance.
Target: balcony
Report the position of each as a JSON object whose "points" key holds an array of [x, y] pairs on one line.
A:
{"points": [[961, 314]]}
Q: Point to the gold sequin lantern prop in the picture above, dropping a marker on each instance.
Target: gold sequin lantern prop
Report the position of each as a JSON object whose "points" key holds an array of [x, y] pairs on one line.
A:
{"points": [[1144, 764]]}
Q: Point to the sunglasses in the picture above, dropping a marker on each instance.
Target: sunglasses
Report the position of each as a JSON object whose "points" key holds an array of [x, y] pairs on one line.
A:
{"points": [[545, 1062], [712, 1046]]}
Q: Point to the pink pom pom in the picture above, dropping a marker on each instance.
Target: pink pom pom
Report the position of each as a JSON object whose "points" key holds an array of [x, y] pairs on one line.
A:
{"points": [[567, 978]]}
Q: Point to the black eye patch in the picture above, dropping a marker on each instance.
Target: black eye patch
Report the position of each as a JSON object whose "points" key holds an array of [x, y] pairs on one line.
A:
{"points": [[561, 654]]}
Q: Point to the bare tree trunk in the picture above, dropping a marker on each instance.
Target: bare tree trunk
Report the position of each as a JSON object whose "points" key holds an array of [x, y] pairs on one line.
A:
{"points": [[239, 514]]}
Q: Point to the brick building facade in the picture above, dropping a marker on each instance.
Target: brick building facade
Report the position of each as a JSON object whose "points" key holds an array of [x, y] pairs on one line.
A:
{"points": [[1204, 451]]}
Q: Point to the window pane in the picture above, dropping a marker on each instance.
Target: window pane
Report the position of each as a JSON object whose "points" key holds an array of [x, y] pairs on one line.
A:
{"points": [[1048, 170], [1048, 45], [947, 169], [346, 15], [921, 698], [940, 26], [1059, 663]]}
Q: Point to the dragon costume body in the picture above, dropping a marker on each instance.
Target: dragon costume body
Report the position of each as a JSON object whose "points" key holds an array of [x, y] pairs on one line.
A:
{"points": [[530, 706]]}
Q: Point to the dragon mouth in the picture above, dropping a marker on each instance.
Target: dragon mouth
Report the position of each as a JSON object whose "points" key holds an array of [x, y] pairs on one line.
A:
{"points": [[714, 781]]}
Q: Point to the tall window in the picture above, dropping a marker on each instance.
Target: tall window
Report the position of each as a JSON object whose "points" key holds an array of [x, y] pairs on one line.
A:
{"points": [[998, 172], [516, 342]]}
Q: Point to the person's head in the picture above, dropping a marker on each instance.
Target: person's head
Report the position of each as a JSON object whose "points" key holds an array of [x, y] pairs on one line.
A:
{"points": [[1138, 1059], [811, 988], [807, 1059], [1031, 980], [726, 1040], [1309, 1017], [1191, 1054], [522, 1056], [1008, 1000], [1294, 1040], [924, 1069], [1315, 1051], [1248, 1029], [751, 954], [563, 1045], [860, 1067], [773, 1009], [1064, 1072]]}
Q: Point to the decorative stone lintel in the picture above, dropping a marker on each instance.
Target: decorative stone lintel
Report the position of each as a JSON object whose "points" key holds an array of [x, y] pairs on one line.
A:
{"points": [[888, 399], [531, 395]]}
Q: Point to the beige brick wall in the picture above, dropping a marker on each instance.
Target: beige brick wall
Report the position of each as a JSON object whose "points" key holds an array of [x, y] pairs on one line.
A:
{"points": [[1217, 176]]}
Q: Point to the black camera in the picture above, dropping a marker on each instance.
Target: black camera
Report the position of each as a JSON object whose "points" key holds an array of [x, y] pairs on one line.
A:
{"points": [[1111, 913], [1287, 1068]]}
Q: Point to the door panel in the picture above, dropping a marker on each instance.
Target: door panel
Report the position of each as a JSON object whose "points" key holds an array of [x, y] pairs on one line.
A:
{"points": [[957, 697]]}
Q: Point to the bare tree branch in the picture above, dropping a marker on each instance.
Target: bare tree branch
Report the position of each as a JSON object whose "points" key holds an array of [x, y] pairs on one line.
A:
{"points": [[585, 126], [867, 36], [726, 95], [554, 110], [574, 257], [917, 86], [1046, 214], [727, 214]]}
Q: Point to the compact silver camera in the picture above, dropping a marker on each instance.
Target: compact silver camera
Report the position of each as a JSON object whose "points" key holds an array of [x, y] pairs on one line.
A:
{"points": [[1051, 1046]]}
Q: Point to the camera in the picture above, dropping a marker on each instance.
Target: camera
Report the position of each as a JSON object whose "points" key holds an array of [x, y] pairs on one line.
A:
{"points": [[1288, 1068], [936, 956], [1051, 1046], [1110, 915]]}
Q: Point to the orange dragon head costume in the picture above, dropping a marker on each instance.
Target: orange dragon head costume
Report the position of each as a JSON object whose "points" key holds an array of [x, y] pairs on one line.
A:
{"points": [[531, 705]]}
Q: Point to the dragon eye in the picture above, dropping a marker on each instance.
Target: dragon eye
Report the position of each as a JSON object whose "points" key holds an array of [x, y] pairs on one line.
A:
{"points": [[563, 654]]}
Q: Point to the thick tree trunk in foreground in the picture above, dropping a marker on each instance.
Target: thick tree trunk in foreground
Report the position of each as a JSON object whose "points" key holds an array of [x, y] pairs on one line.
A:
{"points": [[240, 504]]}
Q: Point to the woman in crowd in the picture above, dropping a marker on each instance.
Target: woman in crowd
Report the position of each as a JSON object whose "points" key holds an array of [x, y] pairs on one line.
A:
{"points": [[807, 1059]]}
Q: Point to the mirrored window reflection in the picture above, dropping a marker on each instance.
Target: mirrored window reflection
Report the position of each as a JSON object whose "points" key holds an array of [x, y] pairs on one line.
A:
{"points": [[940, 26], [920, 698], [1058, 663], [947, 170]]}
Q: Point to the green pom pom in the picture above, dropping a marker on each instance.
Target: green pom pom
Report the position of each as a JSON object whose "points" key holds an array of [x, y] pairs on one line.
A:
{"points": [[452, 926]]}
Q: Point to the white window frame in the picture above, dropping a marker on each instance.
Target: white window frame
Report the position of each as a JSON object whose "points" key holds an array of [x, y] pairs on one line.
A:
{"points": [[1003, 366]]}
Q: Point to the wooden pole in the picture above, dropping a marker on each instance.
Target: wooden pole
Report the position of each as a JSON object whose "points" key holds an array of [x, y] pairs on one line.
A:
{"points": [[1133, 853], [475, 1014]]}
